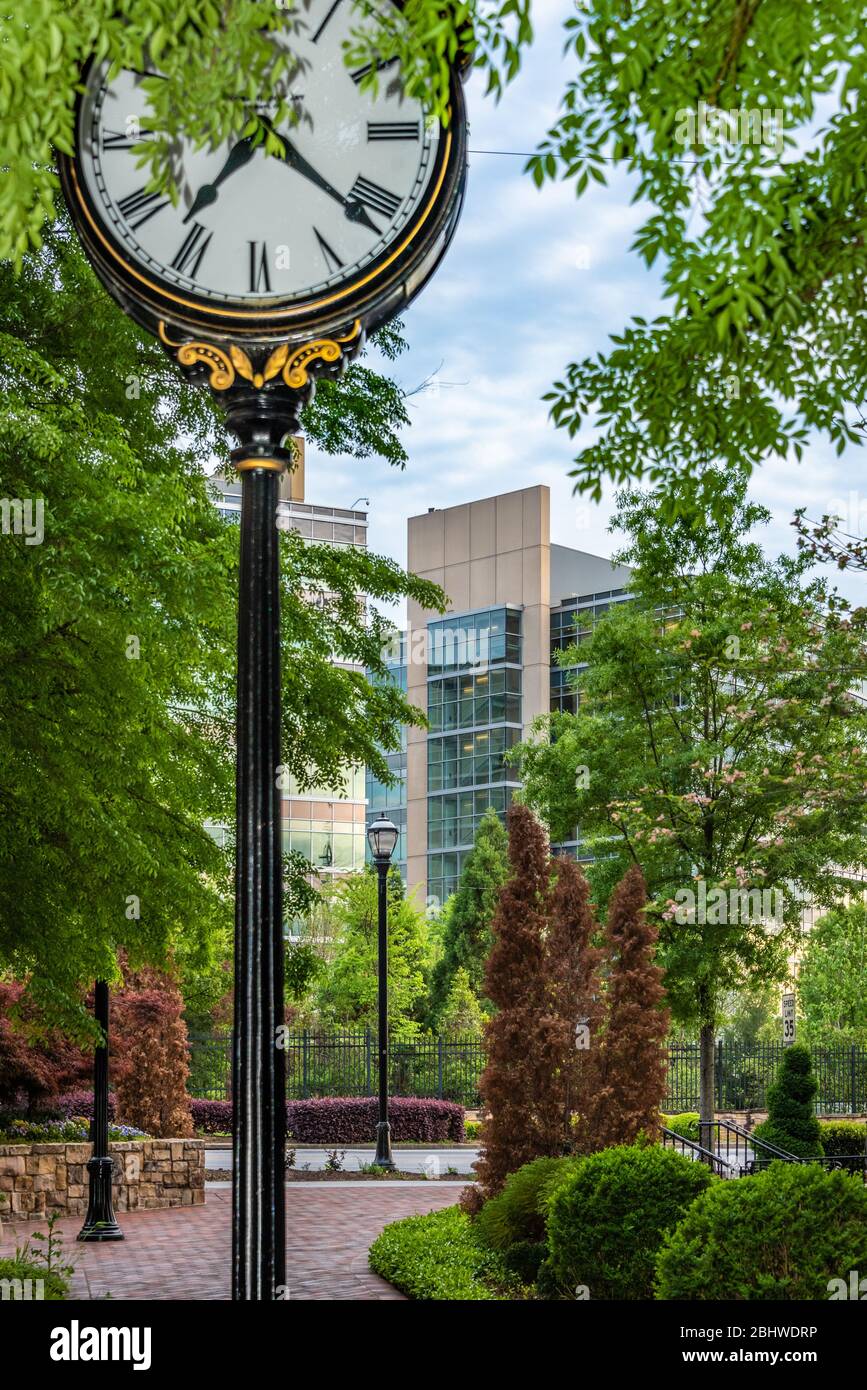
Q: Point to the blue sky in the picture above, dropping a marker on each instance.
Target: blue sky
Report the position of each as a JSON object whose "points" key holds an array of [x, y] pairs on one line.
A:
{"points": [[534, 279]]}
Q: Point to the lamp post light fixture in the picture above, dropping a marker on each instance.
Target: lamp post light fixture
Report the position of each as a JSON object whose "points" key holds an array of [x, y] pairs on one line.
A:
{"points": [[382, 835]]}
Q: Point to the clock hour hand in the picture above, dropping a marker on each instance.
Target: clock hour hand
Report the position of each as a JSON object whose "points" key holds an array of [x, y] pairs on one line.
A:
{"points": [[239, 155], [355, 210]]}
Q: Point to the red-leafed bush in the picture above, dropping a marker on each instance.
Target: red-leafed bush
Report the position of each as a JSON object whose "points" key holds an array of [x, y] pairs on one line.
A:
{"points": [[333, 1120], [348, 1121], [34, 1064], [72, 1104], [212, 1116]]}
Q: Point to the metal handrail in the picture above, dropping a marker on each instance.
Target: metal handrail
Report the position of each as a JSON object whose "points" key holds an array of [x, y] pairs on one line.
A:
{"points": [[701, 1154], [756, 1143]]}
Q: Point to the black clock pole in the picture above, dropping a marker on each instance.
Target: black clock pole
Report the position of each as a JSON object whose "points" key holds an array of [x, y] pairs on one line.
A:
{"points": [[261, 421]]}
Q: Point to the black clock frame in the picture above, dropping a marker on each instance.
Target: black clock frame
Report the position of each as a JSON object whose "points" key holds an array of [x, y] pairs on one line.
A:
{"points": [[381, 290]]}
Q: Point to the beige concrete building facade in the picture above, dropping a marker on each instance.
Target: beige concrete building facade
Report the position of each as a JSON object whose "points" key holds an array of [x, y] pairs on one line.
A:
{"points": [[483, 672]]}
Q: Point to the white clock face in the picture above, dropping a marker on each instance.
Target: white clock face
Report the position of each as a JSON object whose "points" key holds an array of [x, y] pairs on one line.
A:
{"points": [[253, 228]]}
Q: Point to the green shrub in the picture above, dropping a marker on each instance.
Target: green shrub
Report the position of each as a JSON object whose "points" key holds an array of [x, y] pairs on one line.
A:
{"points": [[843, 1137], [524, 1259], [54, 1286], [781, 1235], [791, 1122], [686, 1125], [607, 1220], [472, 1129], [518, 1212], [437, 1256]]}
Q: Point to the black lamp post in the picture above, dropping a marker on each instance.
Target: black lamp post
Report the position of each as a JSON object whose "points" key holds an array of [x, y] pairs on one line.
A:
{"points": [[99, 1223], [382, 837]]}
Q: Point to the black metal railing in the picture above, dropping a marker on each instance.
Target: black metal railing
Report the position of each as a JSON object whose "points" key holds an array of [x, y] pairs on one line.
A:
{"points": [[742, 1076], [344, 1063], [330, 1062], [721, 1166]]}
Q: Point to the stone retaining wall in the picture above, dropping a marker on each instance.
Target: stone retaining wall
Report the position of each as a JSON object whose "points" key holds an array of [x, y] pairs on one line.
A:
{"points": [[37, 1179]]}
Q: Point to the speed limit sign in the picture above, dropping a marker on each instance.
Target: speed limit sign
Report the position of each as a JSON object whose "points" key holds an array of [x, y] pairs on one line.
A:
{"points": [[788, 1019]]}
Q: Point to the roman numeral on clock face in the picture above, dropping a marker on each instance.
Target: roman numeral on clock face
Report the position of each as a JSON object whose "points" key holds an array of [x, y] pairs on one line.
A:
{"points": [[373, 196], [189, 258], [260, 278], [360, 73], [332, 260], [139, 207], [392, 130]]}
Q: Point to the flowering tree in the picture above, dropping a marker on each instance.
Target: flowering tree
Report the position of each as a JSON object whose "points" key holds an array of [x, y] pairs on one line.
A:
{"points": [[717, 745]]}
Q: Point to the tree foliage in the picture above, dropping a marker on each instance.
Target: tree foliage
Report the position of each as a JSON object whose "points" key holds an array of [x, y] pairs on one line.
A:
{"points": [[117, 646], [716, 741], [153, 1058], [832, 977], [467, 938], [347, 994], [739, 122], [543, 979]]}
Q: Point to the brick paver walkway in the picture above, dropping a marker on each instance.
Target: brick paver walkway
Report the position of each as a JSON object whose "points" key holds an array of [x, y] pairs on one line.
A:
{"points": [[185, 1253]]}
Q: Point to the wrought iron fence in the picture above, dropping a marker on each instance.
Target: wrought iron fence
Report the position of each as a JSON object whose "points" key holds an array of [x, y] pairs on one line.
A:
{"points": [[344, 1063], [742, 1076]]}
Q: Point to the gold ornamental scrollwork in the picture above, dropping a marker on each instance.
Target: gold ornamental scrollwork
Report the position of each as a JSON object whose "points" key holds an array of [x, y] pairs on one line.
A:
{"points": [[222, 373], [292, 366]]}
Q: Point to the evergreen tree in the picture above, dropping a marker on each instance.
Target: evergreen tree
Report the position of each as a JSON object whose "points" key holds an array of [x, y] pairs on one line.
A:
{"points": [[461, 1015], [514, 982], [467, 936], [791, 1122], [629, 1072]]}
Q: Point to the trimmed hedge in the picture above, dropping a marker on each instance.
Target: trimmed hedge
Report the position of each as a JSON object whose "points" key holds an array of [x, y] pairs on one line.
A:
{"points": [[686, 1125], [517, 1214], [791, 1124], [212, 1116], [607, 1220], [781, 1235], [842, 1137], [437, 1257], [353, 1121]]}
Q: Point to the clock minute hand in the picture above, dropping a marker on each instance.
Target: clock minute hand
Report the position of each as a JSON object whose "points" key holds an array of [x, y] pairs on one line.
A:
{"points": [[354, 210], [239, 155]]}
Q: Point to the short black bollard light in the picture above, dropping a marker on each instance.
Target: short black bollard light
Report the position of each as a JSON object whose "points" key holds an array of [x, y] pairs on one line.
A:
{"points": [[99, 1223], [382, 837]]}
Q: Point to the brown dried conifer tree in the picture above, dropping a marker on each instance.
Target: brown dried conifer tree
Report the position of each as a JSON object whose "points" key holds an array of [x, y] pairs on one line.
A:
{"points": [[511, 1082], [631, 1065], [575, 1001], [149, 1035]]}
